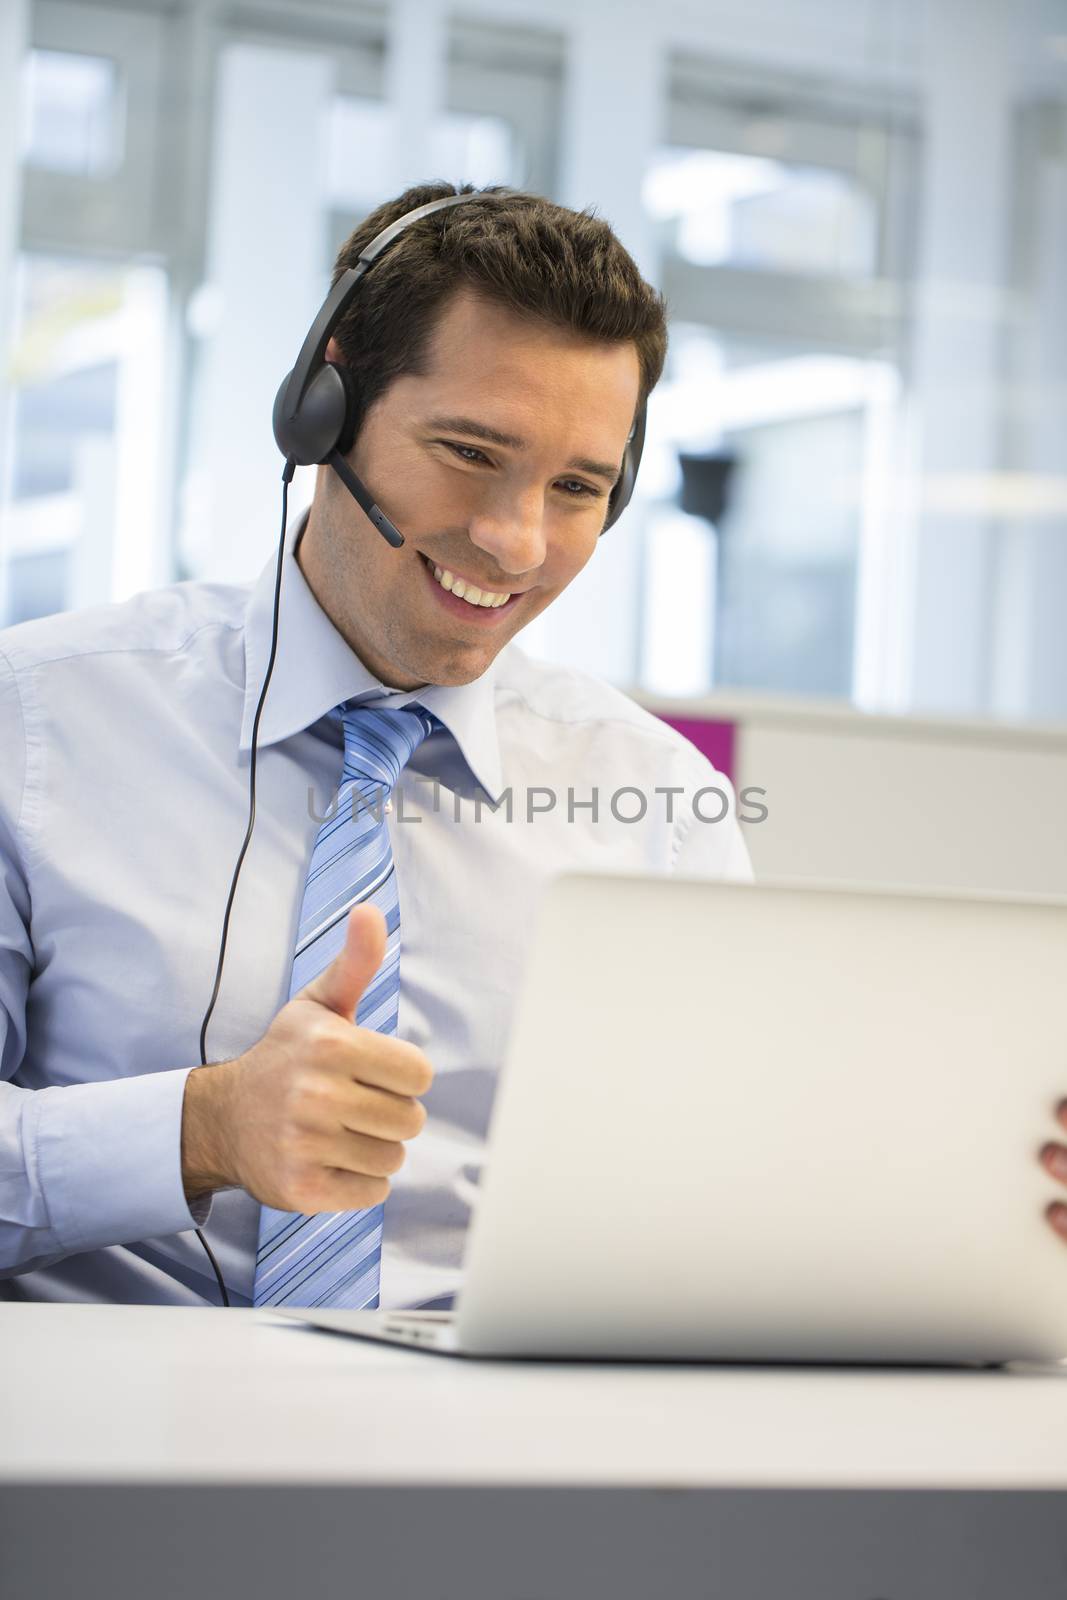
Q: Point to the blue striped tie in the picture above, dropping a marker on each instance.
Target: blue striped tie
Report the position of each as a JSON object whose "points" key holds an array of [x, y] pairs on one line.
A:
{"points": [[334, 1259]]}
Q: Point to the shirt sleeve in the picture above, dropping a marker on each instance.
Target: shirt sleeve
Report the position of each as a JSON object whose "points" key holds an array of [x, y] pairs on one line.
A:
{"points": [[709, 841], [84, 1165]]}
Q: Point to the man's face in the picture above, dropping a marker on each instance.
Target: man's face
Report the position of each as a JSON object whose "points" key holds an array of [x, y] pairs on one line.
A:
{"points": [[496, 465]]}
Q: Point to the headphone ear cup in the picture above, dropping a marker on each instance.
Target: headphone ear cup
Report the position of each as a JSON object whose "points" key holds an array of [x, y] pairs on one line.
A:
{"points": [[631, 460], [309, 436], [620, 495], [347, 437]]}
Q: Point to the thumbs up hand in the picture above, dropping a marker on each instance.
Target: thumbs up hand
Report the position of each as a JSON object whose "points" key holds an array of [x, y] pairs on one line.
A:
{"points": [[314, 1116]]}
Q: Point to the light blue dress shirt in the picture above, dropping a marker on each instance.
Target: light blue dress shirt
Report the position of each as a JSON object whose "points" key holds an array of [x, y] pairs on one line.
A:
{"points": [[125, 733]]}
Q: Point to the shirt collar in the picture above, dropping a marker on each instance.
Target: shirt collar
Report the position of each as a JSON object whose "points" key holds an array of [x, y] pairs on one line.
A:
{"points": [[315, 670]]}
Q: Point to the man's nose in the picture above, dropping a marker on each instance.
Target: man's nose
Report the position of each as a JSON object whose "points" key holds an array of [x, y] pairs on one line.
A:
{"points": [[512, 530]]}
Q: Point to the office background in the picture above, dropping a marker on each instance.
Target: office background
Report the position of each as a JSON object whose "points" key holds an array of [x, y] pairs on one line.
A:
{"points": [[854, 493]]}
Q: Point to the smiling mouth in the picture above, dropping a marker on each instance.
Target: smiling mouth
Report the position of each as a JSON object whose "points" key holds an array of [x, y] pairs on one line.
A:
{"points": [[463, 589]]}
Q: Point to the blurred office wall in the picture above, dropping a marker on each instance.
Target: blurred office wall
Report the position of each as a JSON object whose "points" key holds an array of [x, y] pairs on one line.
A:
{"points": [[857, 210]]}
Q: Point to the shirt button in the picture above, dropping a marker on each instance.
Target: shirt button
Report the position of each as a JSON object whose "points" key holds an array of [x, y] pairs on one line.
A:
{"points": [[388, 806]]}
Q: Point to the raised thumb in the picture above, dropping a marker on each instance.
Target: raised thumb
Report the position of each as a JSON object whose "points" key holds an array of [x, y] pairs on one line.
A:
{"points": [[340, 986]]}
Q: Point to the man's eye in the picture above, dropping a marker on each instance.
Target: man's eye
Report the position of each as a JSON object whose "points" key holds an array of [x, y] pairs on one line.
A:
{"points": [[466, 452], [577, 490]]}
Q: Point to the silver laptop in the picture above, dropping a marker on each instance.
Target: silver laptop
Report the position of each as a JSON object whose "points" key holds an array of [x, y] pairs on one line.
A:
{"points": [[766, 1123]]}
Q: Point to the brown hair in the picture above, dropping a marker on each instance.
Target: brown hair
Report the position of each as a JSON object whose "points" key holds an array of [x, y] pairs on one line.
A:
{"points": [[540, 259]]}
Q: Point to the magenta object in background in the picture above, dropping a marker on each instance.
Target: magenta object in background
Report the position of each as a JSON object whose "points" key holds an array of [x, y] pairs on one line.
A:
{"points": [[713, 739]]}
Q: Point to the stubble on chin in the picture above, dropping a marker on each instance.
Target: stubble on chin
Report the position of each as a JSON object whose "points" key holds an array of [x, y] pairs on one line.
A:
{"points": [[381, 628]]}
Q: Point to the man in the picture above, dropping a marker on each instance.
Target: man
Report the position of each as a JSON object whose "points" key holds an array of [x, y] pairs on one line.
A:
{"points": [[501, 352]]}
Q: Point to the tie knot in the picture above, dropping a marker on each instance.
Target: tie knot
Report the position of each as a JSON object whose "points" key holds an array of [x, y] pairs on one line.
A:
{"points": [[380, 743]]}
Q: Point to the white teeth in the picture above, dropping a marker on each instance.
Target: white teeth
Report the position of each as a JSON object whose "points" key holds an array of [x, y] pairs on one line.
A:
{"points": [[468, 591]]}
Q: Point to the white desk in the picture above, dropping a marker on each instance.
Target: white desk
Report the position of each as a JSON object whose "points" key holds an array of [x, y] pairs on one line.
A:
{"points": [[158, 1453]]}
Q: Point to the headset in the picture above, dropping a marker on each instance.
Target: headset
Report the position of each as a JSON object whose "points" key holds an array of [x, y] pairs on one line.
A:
{"points": [[315, 418]]}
